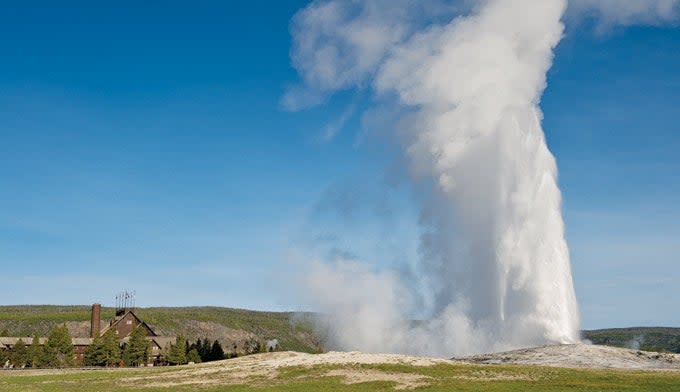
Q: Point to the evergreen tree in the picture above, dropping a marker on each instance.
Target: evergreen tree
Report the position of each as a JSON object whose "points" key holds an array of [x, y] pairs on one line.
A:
{"points": [[137, 351], [216, 352], [94, 354], [19, 355], [196, 346], [178, 355], [204, 351], [4, 333], [35, 352], [166, 353], [252, 346], [4, 356], [104, 350], [112, 348], [193, 356], [59, 351]]}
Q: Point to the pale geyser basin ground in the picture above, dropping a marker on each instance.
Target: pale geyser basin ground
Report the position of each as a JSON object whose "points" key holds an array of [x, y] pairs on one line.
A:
{"points": [[575, 366]]}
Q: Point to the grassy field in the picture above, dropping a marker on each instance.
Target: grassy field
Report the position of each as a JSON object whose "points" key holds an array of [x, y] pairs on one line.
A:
{"points": [[229, 376]]}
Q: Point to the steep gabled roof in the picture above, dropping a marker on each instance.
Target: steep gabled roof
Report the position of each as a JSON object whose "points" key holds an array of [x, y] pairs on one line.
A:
{"points": [[163, 341], [148, 328], [117, 320]]}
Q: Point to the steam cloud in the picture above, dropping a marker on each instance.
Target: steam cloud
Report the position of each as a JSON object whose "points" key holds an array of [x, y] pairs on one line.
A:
{"points": [[495, 263]]}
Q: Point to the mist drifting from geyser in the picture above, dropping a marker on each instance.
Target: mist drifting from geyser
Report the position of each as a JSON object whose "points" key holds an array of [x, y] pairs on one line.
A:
{"points": [[495, 262]]}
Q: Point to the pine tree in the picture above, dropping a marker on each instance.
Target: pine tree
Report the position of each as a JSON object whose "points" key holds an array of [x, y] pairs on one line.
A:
{"points": [[166, 353], [35, 352], [216, 352], [4, 356], [59, 351], [137, 351], [19, 355], [204, 351], [193, 356], [104, 350], [112, 347], [95, 355], [196, 346], [178, 352], [4, 333], [252, 346]]}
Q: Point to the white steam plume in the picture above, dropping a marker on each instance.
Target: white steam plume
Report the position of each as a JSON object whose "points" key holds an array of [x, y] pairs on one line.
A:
{"points": [[496, 264]]}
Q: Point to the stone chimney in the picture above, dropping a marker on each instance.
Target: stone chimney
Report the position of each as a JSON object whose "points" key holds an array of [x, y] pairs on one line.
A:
{"points": [[96, 320]]}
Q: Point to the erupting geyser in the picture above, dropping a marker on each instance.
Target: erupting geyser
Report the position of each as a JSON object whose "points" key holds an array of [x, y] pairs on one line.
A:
{"points": [[496, 263]]}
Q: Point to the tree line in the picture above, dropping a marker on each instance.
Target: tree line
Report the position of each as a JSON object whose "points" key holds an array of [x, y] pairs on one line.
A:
{"points": [[106, 350], [182, 352], [57, 351]]}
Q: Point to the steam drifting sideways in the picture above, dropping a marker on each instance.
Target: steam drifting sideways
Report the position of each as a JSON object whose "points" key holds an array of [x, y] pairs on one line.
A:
{"points": [[495, 261]]}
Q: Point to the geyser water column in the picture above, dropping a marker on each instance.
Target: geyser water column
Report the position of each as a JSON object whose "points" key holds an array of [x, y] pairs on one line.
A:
{"points": [[476, 84], [495, 256]]}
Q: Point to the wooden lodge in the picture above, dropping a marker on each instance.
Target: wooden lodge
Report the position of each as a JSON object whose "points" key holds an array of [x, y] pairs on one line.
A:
{"points": [[123, 323]]}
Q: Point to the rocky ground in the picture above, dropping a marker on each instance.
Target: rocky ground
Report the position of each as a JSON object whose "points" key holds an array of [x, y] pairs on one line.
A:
{"points": [[581, 356], [593, 368], [267, 366]]}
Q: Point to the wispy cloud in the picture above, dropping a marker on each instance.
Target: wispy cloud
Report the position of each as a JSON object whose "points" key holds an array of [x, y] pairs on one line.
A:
{"points": [[298, 98], [611, 13], [332, 128]]}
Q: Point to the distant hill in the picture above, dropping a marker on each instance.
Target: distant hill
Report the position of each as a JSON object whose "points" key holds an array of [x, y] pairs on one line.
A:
{"points": [[232, 327], [588, 356], [642, 338]]}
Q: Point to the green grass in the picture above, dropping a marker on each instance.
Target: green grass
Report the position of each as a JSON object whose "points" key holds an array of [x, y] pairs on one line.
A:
{"points": [[444, 377], [294, 331]]}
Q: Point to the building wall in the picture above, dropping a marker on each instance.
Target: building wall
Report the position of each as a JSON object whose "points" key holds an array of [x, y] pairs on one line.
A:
{"points": [[80, 354], [126, 324]]}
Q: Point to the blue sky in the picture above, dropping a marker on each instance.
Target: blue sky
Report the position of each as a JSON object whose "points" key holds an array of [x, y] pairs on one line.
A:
{"points": [[145, 148]]}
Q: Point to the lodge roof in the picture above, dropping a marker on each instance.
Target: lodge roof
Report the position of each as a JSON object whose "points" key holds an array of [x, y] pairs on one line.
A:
{"points": [[118, 319], [11, 341]]}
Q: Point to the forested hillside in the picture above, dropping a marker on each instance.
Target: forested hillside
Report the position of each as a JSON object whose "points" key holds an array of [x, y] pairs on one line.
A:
{"points": [[232, 327]]}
